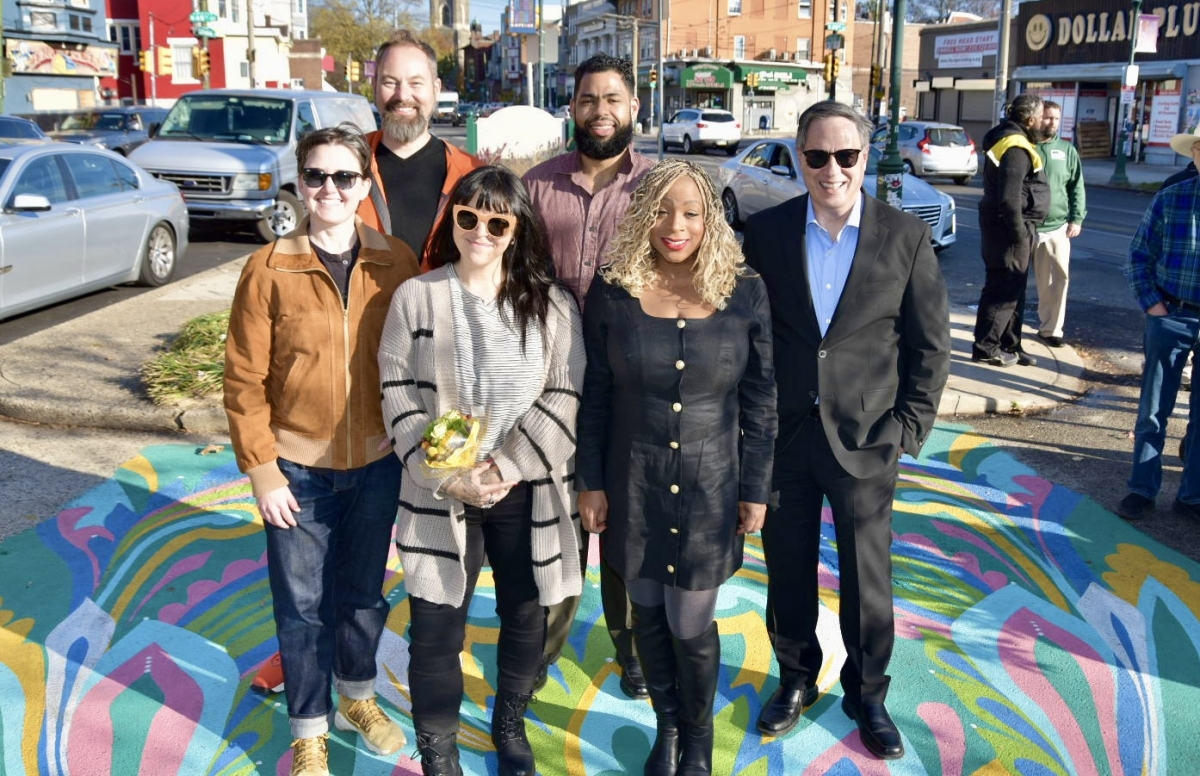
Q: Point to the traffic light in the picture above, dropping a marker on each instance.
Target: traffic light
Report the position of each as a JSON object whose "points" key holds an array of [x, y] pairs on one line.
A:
{"points": [[201, 65], [829, 60], [355, 71], [166, 61], [653, 77], [877, 75], [145, 61], [837, 67], [752, 80]]}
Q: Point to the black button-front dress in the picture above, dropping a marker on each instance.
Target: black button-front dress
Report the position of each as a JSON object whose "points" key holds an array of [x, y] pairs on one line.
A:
{"points": [[678, 425]]}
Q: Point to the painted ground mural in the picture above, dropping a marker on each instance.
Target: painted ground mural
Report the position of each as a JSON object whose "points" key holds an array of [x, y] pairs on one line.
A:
{"points": [[1036, 634]]}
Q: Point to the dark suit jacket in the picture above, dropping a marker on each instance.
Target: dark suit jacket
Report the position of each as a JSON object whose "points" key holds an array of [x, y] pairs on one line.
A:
{"points": [[882, 365]]}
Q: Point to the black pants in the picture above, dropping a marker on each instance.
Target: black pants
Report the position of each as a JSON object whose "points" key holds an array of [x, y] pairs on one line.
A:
{"points": [[613, 598], [436, 632], [805, 472], [1002, 299]]}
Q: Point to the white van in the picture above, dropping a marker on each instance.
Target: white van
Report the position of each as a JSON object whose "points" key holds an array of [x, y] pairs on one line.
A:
{"points": [[447, 108], [232, 152]]}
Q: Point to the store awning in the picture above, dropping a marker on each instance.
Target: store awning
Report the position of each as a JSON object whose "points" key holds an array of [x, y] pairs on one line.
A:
{"points": [[771, 76], [1105, 71]]}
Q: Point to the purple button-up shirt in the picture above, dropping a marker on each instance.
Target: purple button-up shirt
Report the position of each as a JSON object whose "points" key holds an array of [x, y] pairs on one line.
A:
{"points": [[579, 224]]}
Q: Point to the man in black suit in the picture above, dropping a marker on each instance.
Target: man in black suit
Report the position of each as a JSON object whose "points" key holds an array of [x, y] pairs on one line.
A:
{"points": [[862, 352]]}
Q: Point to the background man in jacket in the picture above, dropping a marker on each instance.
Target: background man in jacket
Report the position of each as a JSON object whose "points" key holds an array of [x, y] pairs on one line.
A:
{"points": [[861, 332], [1015, 200], [1064, 222]]}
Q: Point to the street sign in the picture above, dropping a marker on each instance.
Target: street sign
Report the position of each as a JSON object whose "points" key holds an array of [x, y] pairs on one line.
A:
{"points": [[202, 16], [204, 32], [836, 26], [834, 41]]}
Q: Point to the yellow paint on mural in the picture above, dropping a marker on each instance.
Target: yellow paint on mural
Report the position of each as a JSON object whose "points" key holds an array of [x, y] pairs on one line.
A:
{"points": [[1133, 564], [25, 659]]}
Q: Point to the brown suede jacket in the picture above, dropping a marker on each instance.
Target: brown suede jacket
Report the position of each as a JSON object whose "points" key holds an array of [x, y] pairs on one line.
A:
{"points": [[301, 370]]}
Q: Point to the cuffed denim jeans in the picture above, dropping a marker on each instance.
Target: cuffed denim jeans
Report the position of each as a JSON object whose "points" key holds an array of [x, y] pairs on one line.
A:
{"points": [[326, 578], [1167, 341]]}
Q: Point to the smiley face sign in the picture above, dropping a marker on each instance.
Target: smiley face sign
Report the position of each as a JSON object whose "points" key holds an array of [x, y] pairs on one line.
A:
{"points": [[1038, 31]]}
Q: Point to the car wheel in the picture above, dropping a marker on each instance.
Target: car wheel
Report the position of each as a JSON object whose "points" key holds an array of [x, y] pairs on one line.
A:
{"points": [[731, 150], [732, 216], [688, 148], [158, 259], [908, 168], [281, 219], [962, 180]]}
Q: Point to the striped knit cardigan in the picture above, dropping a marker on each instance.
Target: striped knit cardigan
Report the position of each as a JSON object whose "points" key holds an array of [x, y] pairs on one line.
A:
{"points": [[416, 365]]}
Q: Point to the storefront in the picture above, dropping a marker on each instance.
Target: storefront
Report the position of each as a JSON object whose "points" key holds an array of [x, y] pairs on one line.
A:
{"points": [[1078, 52], [764, 87]]}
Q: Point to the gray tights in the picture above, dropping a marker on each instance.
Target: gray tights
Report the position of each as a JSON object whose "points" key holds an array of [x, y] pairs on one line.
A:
{"points": [[689, 612]]}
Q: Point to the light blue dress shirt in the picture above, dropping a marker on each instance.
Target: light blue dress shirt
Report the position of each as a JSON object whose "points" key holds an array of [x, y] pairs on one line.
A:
{"points": [[829, 260]]}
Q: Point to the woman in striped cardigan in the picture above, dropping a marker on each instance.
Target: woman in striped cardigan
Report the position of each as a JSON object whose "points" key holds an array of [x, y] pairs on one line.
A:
{"points": [[489, 330]]}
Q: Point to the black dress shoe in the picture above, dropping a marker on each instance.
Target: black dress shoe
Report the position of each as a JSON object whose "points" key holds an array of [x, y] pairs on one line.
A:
{"points": [[1001, 358], [875, 727], [1023, 358], [633, 681], [781, 713], [1051, 342], [1135, 506]]}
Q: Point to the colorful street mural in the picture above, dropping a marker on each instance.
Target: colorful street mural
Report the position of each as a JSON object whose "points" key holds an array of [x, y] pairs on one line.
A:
{"points": [[1036, 634]]}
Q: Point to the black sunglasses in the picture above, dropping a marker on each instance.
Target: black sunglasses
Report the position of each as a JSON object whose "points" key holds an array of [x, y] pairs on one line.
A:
{"points": [[498, 224], [315, 179], [846, 158]]}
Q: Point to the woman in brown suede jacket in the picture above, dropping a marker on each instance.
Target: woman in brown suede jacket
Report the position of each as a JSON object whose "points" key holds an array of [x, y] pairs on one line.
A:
{"points": [[302, 396]]}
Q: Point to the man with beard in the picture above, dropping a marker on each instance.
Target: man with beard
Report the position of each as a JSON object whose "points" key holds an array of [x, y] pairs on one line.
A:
{"points": [[581, 196], [1015, 201], [413, 171]]}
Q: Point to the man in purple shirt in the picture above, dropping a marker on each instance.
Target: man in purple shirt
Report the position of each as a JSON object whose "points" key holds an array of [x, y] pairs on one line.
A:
{"points": [[581, 197]]}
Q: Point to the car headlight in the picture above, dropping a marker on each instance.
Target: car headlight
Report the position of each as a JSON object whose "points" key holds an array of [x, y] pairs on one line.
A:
{"points": [[252, 181]]}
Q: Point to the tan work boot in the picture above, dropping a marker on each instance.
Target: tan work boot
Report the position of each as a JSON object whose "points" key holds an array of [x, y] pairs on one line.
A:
{"points": [[310, 756], [378, 731]]}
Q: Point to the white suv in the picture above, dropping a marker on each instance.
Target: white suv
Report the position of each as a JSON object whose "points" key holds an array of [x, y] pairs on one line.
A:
{"points": [[697, 129]]}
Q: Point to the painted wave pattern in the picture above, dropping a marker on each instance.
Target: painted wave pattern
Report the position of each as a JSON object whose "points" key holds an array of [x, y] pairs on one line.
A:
{"points": [[1035, 635]]}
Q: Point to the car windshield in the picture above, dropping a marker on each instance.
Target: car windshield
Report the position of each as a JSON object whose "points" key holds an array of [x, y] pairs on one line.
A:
{"points": [[229, 117], [948, 136], [873, 157], [715, 116], [109, 121], [18, 129]]}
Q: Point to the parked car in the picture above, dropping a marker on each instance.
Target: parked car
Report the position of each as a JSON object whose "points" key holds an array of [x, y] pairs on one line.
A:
{"points": [[75, 219], [17, 128], [695, 130], [930, 149], [119, 129], [232, 152], [766, 174]]}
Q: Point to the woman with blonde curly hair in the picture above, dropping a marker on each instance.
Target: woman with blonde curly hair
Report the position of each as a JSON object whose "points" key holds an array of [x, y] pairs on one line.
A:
{"points": [[676, 437]]}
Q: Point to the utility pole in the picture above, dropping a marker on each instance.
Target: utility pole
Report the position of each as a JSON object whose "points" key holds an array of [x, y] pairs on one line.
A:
{"points": [[1002, 61], [250, 57], [1119, 174], [541, 33], [153, 74], [664, 39], [890, 181]]}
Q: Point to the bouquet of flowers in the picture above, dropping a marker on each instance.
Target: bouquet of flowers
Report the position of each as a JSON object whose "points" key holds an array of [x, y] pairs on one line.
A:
{"points": [[451, 442]]}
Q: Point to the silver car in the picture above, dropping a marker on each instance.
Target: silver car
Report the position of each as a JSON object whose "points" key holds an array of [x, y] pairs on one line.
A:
{"points": [[766, 174], [697, 129], [930, 149], [76, 219]]}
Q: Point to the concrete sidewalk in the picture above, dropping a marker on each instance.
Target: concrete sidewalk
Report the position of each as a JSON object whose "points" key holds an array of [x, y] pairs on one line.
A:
{"points": [[84, 372]]}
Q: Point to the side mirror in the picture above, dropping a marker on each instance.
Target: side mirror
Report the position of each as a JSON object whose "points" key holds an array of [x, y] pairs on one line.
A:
{"points": [[29, 203], [154, 127], [782, 169]]}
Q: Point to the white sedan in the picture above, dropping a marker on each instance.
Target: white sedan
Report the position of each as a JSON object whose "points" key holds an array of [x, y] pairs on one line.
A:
{"points": [[766, 174], [76, 219]]}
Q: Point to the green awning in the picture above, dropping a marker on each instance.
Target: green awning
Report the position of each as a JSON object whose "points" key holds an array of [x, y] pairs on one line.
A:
{"points": [[706, 77], [773, 75]]}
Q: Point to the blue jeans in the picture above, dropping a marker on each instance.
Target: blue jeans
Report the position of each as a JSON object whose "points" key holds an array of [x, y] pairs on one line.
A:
{"points": [[326, 578], [1167, 341]]}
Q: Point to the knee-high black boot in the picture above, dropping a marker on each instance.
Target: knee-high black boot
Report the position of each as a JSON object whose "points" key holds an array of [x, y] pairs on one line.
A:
{"points": [[653, 637], [508, 734], [699, 660]]}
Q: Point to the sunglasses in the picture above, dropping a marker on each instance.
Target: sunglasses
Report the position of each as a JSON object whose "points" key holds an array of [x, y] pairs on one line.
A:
{"points": [[498, 224], [315, 179], [846, 158]]}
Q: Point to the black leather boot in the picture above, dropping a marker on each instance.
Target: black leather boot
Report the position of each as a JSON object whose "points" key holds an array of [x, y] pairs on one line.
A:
{"points": [[653, 637], [699, 660], [439, 754], [508, 734]]}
